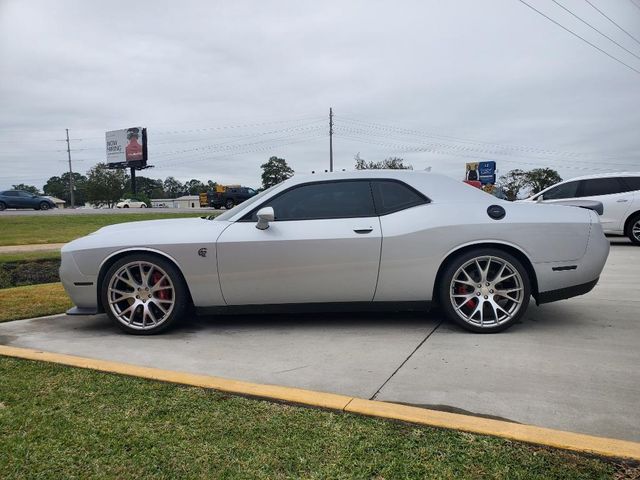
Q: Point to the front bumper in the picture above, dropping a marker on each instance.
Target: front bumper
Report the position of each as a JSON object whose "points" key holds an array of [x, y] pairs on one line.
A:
{"points": [[81, 288]]}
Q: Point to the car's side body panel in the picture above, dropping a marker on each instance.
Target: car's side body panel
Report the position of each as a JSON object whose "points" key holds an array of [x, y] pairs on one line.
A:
{"points": [[300, 261], [416, 241], [189, 243]]}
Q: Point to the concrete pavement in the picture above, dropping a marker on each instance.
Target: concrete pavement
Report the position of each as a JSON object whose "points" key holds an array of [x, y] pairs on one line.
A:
{"points": [[571, 365]]}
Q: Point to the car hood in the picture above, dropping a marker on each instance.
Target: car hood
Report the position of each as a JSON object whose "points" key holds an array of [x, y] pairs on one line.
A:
{"points": [[150, 233]]}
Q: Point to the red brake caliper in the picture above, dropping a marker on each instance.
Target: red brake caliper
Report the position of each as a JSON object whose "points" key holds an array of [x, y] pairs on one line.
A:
{"points": [[463, 291], [162, 294]]}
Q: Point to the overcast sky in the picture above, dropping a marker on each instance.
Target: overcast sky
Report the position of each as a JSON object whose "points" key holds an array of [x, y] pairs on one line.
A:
{"points": [[221, 86]]}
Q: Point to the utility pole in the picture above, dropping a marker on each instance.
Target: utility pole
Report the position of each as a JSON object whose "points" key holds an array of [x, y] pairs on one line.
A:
{"points": [[331, 139], [73, 203]]}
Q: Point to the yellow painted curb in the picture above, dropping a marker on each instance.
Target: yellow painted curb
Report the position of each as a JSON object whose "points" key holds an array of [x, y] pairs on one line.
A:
{"points": [[608, 447]]}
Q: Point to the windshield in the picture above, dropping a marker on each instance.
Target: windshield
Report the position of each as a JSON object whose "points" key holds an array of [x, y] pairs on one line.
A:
{"points": [[230, 213]]}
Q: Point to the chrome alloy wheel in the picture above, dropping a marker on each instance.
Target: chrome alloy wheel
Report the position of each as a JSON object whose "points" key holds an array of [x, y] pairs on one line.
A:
{"points": [[141, 295], [486, 291], [635, 230]]}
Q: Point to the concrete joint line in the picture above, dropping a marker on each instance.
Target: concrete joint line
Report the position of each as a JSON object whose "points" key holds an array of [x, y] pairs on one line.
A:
{"points": [[608, 447], [373, 397]]}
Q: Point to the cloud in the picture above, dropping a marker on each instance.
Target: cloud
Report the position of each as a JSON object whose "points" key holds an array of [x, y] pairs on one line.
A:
{"points": [[488, 71]]}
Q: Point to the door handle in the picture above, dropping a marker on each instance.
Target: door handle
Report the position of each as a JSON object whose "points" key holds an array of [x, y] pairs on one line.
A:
{"points": [[622, 200], [363, 230]]}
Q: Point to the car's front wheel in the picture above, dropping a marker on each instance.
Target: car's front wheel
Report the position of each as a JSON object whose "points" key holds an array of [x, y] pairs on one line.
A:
{"points": [[44, 206], [144, 294], [229, 204], [633, 232], [485, 290]]}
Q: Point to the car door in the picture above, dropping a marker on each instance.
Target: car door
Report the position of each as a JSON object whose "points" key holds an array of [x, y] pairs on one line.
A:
{"points": [[324, 246], [614, 197], [560, 192], [9, 198]]}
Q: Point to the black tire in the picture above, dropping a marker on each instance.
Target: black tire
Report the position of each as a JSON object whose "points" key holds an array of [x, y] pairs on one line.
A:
{"points": [[478, 297], [144, 205], [125, 206], [44, 206], [136, 326], [634, 223], [3, 206], [229, 204]]}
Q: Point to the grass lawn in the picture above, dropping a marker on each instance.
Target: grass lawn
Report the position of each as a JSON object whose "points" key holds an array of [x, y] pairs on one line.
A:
{"points": [[32, 301], [31, 229], [63, 422], [28, 256]]}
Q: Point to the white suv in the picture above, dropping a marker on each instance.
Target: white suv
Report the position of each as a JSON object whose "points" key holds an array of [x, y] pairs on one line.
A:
{"points": [[618, 192]]}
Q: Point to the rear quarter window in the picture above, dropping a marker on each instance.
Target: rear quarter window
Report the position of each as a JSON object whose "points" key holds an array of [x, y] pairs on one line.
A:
{"points": [[392, 196]]}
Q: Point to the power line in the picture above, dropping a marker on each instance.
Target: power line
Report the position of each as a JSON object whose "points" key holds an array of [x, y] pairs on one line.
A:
{"points": [[578, 36], [611, 20], [635, 4], [594, 28], [430, 149], [429, 135]]}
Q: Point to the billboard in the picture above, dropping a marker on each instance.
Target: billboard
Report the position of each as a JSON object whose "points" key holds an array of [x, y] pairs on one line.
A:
{"points": [[485, 172], [127, 147]]}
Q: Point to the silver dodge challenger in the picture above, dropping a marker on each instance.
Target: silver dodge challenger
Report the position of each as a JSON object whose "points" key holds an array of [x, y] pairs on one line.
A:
{"points": [[369, 240]]}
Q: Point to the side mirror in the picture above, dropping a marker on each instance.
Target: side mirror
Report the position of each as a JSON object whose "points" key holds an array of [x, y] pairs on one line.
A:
{"points": [[540, 198], [265, 215]]}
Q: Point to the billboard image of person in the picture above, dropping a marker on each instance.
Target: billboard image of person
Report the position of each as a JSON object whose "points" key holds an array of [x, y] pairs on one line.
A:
{"points": [[472, 171], [127, 147], [133, 149]]}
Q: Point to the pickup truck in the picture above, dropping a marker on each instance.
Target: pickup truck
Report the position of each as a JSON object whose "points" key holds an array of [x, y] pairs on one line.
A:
{"points": [[226, 196]]}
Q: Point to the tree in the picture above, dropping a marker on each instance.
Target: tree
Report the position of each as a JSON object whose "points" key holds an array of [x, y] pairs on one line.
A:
{"points": [[173, 187], [59, 187], [149, 187], [105, 186], [274, 171], [195, 187], [512, 183], [211, 185], [534, 180], [27, 188], [540, 178], [392, 163]]}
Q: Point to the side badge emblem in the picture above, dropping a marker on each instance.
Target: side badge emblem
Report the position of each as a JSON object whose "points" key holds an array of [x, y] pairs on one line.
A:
{"points": [[202, 252]]}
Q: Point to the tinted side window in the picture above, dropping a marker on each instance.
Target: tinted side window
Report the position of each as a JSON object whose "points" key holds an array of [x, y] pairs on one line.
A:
{"points": [[323, 200], [600, 186], [566, 190], [392, 196], [11, 194], [633, 183]]}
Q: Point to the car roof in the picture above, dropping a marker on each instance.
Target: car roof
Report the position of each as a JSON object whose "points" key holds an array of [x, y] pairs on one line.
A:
{"points": [[604, 175]]}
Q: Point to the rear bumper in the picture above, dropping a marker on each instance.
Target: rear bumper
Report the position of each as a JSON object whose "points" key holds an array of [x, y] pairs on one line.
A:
{"points": [[567, 292]]}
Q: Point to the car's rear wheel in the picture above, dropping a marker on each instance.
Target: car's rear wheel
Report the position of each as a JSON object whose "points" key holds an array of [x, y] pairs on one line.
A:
{"points": [[3, 206], [144, 294], [485, 290], [229, 204], [44, 206], [125, 206], [633, 231], [144, 205]]}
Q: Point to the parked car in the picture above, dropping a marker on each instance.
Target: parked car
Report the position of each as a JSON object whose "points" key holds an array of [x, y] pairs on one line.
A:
{"points": [[227, 196], [22, 199], [359, 240], [619, 194], [128, 203]]}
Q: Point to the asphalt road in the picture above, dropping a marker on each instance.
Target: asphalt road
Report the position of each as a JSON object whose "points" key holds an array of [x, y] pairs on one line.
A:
{"points": [[571, 365]]}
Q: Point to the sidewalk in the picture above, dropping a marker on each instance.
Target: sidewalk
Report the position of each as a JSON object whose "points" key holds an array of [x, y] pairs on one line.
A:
{"points": [[38, 247]]}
